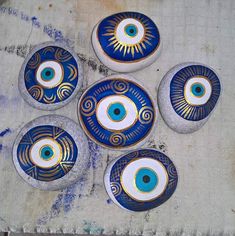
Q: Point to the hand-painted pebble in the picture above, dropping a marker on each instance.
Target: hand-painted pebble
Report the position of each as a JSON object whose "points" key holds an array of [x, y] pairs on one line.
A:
{"points": [[187, 96]]}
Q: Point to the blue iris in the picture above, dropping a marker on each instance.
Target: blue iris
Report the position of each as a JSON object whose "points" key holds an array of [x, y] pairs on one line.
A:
{"points": [[46, 152], [197, 89], [146, 180], [47, 74], [131, 30], [116, 111]]}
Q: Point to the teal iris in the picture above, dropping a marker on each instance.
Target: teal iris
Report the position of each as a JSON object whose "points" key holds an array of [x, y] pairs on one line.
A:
{"points": [[117, 111], [47, 74], [146, 180], [46, 153], [197, 89], [131, 30]]}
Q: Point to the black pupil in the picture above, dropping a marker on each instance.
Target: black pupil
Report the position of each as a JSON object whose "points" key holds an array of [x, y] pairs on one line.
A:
{"points": [[146, 178], [116, 111], [198, 89], [131, 31], [48, 73], [47, 153]]}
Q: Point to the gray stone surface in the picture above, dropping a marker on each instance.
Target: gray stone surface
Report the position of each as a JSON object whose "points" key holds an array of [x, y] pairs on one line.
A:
{"points": [[203, 202]]}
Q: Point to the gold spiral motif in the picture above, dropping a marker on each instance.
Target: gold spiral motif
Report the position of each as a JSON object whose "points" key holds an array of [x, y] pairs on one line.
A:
{"points": [[115, 188], [146, 115], [119, 86], [62, 55], [36, 92], [73, 72], [34, 61], [117, 139], [88, 106], [65, 90]]}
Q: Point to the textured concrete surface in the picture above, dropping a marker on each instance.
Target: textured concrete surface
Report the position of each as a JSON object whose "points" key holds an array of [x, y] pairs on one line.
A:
{"points": [[203, 203]]}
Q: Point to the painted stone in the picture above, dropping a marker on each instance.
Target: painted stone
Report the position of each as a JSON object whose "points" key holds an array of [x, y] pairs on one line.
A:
{"points": [[141, 180], [50, 76], [126, 41], [51, 152], [117, 112], [187, 96]]}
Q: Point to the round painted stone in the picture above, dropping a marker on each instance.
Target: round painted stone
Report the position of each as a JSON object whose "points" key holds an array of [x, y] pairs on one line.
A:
{"points": [[50, 76], [126, 41], [187, 96], [51, 152], [117, 112], [141, 180]]}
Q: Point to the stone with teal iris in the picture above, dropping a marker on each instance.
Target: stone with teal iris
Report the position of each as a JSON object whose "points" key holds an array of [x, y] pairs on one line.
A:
{"points": [[197, 89], [146, 180], [47, 74], [46, 153], [117, 111], [131, 30]]}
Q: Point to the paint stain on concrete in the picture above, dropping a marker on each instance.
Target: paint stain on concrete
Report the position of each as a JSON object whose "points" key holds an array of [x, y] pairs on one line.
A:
{"points": [[95, 154], [90, 227], [109, 201], [4, 132]]}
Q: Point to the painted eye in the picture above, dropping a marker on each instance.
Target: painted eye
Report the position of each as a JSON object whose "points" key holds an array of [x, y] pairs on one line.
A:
{"points": [[126, 41], [141, 180], [187, 95], [117, 112], [50, 152], [50, 77]]}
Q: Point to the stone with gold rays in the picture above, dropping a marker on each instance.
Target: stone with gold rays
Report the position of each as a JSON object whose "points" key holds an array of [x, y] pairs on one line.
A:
{"points": [[126, 41]]}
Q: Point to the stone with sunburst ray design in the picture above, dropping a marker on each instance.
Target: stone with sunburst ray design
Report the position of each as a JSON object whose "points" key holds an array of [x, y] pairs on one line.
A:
{"points": [[126, 41], [187, 96], [50, 76], [51, 152]]}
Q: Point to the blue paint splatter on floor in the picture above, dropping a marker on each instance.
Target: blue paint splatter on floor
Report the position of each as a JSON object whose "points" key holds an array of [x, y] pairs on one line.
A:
{"points": [[90, 227], [4, 132], [1, 147], [52, 32], [95, 155], [109, 201]]}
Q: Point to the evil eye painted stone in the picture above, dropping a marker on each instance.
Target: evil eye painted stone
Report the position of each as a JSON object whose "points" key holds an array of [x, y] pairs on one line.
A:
{"points": [[126, 41], [50, 76], [51, 152], [117, 112], [141, 180], [187, 96]]}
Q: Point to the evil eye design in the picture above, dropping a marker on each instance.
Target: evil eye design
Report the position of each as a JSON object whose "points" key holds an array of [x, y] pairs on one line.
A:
{"points": [[117, 112], [126, 41], [141, 180], [50, 76], [47, 156], [187, 95]]}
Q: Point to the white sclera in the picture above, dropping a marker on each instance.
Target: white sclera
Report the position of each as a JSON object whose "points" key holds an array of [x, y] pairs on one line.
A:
{"points": [[35, 154], [128, 179], [123, 37], [57, 77], [194, 100], [104, 119]]}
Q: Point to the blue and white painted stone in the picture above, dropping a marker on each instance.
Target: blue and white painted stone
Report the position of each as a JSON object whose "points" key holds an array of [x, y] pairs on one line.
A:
{"points": [[50, 76], [141, 180], [126, 41], [51, 152], [187, 96], [117, 112]]}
